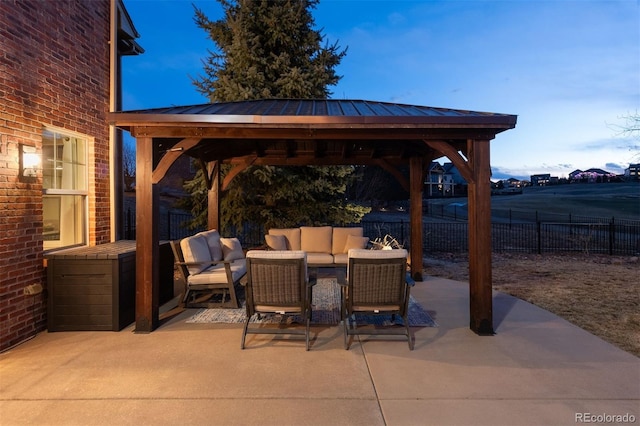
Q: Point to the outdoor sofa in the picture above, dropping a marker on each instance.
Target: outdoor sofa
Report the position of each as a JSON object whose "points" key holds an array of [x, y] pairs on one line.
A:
{"points": [[324, 245]]}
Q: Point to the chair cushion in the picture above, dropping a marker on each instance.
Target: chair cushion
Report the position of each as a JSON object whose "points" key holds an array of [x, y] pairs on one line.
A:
{"points": [[291, 234], [216, 274], [378, 254], [354, 242], [280, 254], [276, 254], [276, 242], [196, 249], [339, 238], [231, 249], [316, 239], [213, 241]]}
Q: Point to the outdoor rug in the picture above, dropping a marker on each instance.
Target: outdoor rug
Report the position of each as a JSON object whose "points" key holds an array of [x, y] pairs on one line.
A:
{"points": [[325, 310]]}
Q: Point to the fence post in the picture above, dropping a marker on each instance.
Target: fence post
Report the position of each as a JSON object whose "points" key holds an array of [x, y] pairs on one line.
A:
{"points": [[612, 235], [539, 231]]}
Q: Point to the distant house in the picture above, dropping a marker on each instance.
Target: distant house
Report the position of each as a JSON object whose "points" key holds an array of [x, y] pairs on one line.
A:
{"points": [[541, 179], [434, 180], [515, 183], [507, 186], [632, 172], [444, 181], [455, 185], [591, 176]]}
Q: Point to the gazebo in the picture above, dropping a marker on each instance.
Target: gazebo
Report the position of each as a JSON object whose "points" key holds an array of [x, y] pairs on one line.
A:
{"points": [[296, 132]]}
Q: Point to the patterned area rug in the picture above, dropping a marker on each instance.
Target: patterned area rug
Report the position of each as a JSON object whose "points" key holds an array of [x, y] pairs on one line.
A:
{"points": [[325, 310]]}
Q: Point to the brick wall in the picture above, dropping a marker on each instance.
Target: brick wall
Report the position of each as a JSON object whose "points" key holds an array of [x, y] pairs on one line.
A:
{"points": [[54, 71]]}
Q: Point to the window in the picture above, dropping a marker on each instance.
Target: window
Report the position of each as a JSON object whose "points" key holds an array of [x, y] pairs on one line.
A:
{"points": [[64, 185]]}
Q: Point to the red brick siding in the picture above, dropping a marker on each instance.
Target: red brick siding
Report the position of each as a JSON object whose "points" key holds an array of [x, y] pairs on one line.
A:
{"points": [[54, 71]]}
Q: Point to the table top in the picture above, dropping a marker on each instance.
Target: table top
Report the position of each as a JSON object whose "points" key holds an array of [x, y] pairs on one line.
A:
{"points": [[114, 250]]}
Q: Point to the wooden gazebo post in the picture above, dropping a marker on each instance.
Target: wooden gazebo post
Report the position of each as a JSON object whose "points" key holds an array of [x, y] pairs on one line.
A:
{"points": [[415, 216], [479, 196], [213, 212], [147, 240]]}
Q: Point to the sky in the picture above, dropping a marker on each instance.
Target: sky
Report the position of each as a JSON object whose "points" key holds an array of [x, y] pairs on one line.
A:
{"points": [[569, 69]]}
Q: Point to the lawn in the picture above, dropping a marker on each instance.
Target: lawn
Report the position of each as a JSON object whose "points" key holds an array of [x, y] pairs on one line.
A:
{"points": [[619, 200], [598, 293]]}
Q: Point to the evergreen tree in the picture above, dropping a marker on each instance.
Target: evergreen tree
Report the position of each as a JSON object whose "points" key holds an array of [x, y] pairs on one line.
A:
{"points": [[269, 49]]}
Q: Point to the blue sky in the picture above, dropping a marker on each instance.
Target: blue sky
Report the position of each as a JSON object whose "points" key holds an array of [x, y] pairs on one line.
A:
{"points": [[570, 70]]}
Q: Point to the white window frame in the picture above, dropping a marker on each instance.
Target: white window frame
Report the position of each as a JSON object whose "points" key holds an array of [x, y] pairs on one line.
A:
{"points": [[88, 141]]}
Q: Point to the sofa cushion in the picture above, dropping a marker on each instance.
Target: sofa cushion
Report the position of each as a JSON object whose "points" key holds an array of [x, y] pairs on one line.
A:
{"points": [[276, 242], [213, 241], [231, 249], [340, 236], [341, 259], [354, 242], [217, 274], [196, 249], [316, 239], [291, 234], [315, 258]]}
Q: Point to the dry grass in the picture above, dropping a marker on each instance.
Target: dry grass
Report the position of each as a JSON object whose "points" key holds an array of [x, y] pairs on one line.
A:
{"points": [[598, 293]]}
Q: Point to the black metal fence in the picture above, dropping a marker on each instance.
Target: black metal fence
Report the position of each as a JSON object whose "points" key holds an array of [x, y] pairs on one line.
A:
{"points": [[540, 237], [547, 233]]}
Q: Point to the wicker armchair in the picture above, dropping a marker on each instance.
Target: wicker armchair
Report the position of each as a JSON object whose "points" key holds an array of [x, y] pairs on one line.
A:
{"points": [[377, 283], [277, 284]]}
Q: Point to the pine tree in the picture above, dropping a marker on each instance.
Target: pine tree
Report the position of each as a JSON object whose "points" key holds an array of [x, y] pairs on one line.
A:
{"points": [[269, 49]]}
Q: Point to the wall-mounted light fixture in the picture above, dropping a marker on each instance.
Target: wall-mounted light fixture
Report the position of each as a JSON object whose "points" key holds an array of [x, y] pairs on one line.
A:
{"points": [[29, 161]]}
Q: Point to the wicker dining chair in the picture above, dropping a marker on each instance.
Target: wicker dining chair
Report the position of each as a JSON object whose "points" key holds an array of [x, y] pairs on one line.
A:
{"points": [[277, 284], [377, 283]]}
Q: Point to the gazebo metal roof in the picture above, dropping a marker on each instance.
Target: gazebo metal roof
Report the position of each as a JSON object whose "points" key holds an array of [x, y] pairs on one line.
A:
{"points": [[353, 111], [315, 132], [300, 131]]}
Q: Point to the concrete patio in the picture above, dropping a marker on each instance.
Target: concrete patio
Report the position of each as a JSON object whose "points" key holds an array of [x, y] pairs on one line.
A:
{"points": [[537, 370]]}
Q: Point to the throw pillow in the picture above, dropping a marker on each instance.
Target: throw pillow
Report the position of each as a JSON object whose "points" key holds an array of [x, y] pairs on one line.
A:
{"points": [[354, 242], [276, 242], [195, 249], [231, 249], [213, 240]]}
